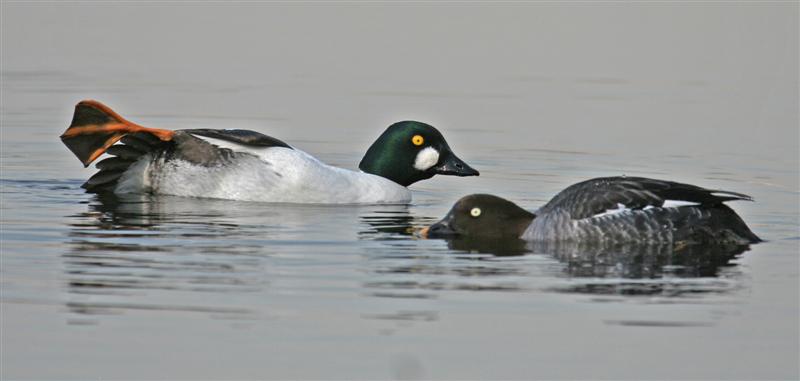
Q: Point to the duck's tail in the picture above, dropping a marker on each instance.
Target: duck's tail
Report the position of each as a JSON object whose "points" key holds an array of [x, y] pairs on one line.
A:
{"points": [[733, 223], [95, 128]]}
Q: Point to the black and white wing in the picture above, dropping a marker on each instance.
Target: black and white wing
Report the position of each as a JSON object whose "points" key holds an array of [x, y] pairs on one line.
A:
{"points": [[241, 137], [597, 196]]}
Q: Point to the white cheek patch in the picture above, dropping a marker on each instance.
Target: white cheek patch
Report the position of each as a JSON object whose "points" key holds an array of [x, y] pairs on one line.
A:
{"points": [[426, 158]]}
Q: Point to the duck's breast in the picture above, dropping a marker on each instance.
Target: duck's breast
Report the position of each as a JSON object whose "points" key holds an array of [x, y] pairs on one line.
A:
{"points": [[303, 178]]}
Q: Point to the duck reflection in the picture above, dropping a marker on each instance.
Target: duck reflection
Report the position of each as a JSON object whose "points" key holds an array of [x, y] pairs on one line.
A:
{"points": [[143, 253], [502, 247], [489, 264], [407, 268], [641, 261], [624, 269], [620, 260], [390, 222]]}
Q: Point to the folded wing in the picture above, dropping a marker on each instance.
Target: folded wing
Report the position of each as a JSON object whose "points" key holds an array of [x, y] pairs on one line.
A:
{"points": [[596, 196]]}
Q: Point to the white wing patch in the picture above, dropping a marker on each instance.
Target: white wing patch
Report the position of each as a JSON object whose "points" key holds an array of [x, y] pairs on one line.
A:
{"points": [[620, 208], [258, 151], [426, 158], [677, 203], [667, 204]]}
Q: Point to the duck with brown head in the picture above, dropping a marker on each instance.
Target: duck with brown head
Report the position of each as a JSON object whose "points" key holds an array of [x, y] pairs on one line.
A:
{"points": [[610, 210]]}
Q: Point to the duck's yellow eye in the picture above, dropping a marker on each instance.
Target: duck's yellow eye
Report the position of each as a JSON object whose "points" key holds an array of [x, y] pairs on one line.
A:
{"points": [[417, 140], [475, 212]]}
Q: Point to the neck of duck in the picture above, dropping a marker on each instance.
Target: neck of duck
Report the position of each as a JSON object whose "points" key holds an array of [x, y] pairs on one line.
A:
{"points": [[385, 164], [519, 224]]}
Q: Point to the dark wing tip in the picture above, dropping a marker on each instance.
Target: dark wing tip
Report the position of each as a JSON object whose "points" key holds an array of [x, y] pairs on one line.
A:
{"points": [[723, 196]]}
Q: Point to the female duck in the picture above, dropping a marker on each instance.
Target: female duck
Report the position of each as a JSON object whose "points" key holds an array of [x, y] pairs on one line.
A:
{"points": [[247, 165], [605, 210]]}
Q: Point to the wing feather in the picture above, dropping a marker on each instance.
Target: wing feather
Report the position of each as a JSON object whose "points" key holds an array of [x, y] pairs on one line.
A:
{"points": [[242, 137], [595, 196]]}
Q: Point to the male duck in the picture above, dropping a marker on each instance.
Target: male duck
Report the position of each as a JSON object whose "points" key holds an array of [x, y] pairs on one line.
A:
{"points": [[605, 210], [247, 165]]}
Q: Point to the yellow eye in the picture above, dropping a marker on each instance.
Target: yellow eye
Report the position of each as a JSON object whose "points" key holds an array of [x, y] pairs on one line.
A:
{"points": [[417, 140], [475, 212]]}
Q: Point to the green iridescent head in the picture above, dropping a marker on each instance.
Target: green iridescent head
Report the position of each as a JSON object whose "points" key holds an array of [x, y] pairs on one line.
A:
{"points": [[411, 151]]}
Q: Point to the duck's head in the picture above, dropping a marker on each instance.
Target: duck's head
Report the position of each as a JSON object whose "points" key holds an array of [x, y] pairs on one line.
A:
{"points": [[411, 151], [482, 216]]}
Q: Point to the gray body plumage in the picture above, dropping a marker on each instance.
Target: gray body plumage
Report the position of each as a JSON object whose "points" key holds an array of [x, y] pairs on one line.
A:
{"points": [[632, 209]]}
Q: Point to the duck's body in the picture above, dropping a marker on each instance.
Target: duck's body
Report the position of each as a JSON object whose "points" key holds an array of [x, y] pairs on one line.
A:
{"points": [[269, 174], [247, 165], [607, 210]]}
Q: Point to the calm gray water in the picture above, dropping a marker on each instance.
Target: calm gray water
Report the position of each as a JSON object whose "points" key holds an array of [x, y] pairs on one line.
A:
{"points": [[535, 96]]}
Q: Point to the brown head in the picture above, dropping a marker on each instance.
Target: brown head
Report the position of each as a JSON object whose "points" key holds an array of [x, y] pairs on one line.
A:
{"points": [[482, 215]]}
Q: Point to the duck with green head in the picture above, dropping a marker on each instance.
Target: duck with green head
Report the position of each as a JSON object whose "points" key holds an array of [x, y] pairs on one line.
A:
{"points": [[247, 165]]}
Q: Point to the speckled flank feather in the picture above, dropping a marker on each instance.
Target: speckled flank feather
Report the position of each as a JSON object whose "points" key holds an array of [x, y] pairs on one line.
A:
{"points": [[690, 224]]}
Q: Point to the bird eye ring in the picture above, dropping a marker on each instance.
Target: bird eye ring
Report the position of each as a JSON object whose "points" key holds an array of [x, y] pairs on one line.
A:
{"points": [[417, 140], [475, 212]]}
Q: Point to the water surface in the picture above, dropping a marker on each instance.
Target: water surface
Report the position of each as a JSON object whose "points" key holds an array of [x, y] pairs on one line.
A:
{"points": [[535, 97]]}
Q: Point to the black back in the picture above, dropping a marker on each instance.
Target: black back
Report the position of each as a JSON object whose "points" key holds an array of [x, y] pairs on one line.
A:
{"points": [[243, 137], [591, 197]]}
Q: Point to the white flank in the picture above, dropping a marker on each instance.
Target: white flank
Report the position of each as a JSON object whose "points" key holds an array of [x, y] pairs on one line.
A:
{"points": [[426, 158], [276, 174], [136, 179]]}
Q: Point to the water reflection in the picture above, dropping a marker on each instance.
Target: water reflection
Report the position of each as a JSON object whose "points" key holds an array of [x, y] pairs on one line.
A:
{"points": [[615, 261], [641, 261], [134, 253], [510, 265], [625, 269], [141, 253], [392, 222], [406, 269], [500, 248]]}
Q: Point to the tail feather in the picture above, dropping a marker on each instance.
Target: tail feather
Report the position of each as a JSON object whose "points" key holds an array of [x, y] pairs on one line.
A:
{"points": [[139, 143], [103, 179], [125, 152], [728, 226], [95, 128], [113, 163], [729, 196]]}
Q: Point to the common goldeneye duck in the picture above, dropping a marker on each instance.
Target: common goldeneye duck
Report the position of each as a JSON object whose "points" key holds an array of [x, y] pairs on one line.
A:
{"points": [[247, 165], [605, 210]]}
